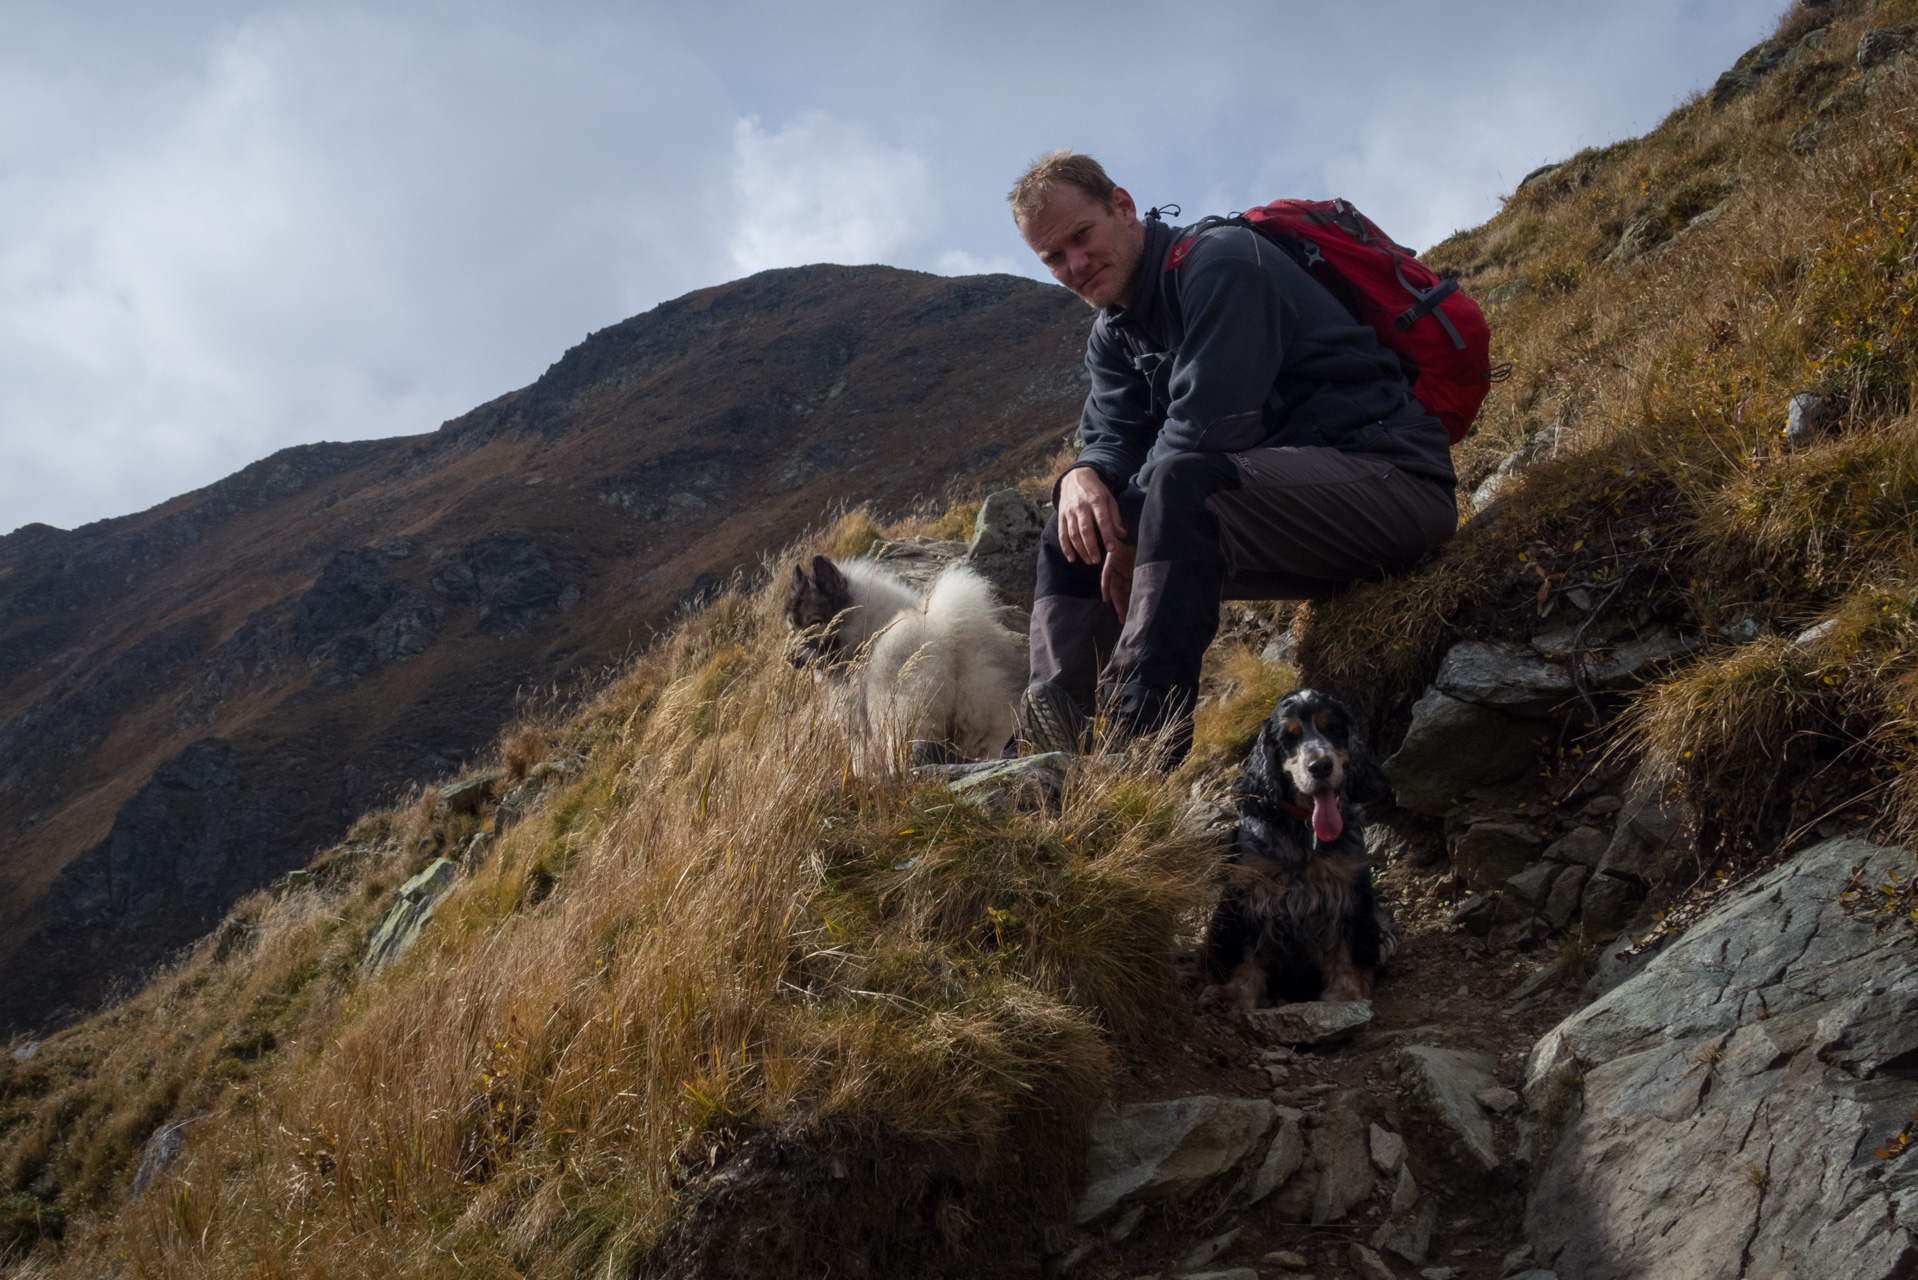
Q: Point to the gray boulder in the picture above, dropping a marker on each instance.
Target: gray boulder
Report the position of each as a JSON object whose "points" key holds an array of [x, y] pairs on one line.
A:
{"points": [[1881, 45], [999, 786], [1282, 1159], [1310, 1021], [1520, 680], [1629, 663], [1005, 544], [1167, 1150], [1534, 883], [1489, 853], [1410, 1220], [1512, 678], [1583, 845], [1655, 836], [1341, 1149], [1561, 904], [162, 1151], [1367, 1264], [412, 911], [1388, 1150], [1454, 746], [469, 794], [1806, 418], [1477, 914], [1445, 1083], [1283, 647], [1542, 445], [1718, 1111], [918, 561], [1006, 522], [1607, 903]]}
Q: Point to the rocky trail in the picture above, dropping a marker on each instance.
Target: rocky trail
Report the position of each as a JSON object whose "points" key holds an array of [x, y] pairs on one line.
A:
{"points": [[1379, 1157]]}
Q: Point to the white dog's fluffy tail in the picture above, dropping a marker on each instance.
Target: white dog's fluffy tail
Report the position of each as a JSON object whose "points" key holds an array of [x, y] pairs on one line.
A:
{"points": [[878, 596], [947, 670]]}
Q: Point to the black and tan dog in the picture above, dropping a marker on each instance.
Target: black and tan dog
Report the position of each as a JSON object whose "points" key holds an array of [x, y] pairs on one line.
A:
{"points": [[1299, 919]]}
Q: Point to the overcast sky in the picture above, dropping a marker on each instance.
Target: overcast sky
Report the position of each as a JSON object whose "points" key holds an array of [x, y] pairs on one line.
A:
{"points": [[227, 228]]}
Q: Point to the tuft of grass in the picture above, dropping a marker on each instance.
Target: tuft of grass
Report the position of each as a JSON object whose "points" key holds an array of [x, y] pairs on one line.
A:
{"points": [[852, 534], [1568, 1085], [524, 750], [1575, 960], [1223, 728]]}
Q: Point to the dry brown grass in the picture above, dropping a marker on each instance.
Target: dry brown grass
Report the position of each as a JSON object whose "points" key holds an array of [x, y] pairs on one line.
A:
{"points": [[1671, 488], [710, 927], [1248, 687], [522, 751]]}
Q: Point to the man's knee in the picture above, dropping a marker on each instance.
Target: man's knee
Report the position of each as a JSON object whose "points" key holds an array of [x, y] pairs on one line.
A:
{"points": [[1176, 523], [1185, 480]]}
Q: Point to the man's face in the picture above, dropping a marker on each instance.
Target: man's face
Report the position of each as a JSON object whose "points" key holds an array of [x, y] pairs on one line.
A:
{"points": [[1090, 248]]}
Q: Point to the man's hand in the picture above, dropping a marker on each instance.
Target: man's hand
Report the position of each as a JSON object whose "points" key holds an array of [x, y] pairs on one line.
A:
{"points": [[1089, 520], [1115, 579]]}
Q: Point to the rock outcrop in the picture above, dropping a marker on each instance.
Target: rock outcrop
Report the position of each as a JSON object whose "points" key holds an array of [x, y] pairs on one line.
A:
{"points": [[1485, 725], [1734, 1109], [412, 911]]}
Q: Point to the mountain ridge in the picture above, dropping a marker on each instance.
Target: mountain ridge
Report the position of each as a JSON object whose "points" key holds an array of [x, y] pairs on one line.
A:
{"points": [[246, 622]]}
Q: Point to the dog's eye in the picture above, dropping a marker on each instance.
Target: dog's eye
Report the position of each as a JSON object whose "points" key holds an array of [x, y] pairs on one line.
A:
{"points": [[1292, 729], [1323, 720]]}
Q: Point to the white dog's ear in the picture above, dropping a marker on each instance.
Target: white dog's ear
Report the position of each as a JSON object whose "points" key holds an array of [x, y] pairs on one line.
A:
{"points": [[827, 575]]}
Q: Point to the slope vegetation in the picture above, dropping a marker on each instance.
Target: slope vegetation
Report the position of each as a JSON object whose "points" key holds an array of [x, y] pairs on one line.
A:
{"points": [[1663, 301]]}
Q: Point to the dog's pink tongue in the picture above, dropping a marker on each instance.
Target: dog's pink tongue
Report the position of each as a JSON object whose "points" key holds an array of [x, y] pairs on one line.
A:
{"points": [[1327, 822]]}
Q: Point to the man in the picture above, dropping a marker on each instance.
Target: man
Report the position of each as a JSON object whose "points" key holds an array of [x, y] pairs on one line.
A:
{"points": [[1245, 436]]}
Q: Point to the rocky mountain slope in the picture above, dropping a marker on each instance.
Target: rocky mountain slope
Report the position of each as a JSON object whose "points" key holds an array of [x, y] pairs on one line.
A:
{"points": [[669, 987], [194, 698]]}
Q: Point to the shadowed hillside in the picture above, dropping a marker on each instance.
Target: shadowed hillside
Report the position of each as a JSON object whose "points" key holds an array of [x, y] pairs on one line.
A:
{"points": [[192, 699]]}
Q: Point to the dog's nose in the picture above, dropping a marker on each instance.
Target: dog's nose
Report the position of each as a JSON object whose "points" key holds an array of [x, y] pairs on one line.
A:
{"points": [[1321, 768]]}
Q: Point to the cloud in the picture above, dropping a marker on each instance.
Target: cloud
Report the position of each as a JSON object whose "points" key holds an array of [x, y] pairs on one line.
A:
{"points": [[824, 190], [228, 226], [324, 226]]}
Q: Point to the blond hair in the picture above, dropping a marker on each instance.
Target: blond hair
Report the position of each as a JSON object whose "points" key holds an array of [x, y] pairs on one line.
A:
{"points": [[1055, 169]]}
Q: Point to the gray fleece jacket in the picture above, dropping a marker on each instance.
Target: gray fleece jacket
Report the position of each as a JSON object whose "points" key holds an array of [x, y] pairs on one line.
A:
{"points": [[1260, 356]]}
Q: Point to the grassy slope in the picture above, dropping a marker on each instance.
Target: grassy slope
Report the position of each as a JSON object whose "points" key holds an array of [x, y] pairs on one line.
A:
{"points": [[708, 927], [1671, 488]]}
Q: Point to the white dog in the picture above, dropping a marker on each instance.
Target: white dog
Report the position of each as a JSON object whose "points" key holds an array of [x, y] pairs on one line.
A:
{"points": [[937, 668]]}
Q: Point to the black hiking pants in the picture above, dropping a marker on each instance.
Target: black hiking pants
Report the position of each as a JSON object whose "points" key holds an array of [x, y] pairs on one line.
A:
{"points": [[1269, 524]]}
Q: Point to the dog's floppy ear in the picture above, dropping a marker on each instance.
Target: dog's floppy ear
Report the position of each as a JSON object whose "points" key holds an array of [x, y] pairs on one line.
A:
{"points": [[827, 575], [1364, 780], [1262, 775]]}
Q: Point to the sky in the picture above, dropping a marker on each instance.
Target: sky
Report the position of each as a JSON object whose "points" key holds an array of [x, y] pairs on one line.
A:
{"points": [[226, 228]]}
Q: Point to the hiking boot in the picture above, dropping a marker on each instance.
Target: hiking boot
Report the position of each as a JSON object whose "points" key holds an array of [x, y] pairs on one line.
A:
{"points": [[1049, 720]]}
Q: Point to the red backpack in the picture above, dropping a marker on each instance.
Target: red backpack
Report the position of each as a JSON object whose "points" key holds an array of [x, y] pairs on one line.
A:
{"points": [[1427, 321]]}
